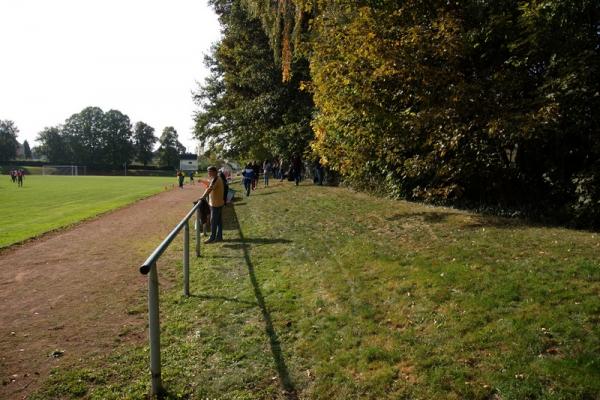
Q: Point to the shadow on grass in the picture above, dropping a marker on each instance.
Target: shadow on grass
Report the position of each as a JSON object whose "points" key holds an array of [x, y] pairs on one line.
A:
{"points": [[280, 365], [222, 298], [241, 244], [474, 220]]}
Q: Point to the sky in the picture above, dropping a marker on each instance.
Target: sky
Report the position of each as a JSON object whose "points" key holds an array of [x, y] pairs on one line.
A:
{"points": [[141, 57]]}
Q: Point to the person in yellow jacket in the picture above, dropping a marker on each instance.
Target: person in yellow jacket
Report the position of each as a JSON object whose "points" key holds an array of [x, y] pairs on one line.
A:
{"points": [[216, 201]]}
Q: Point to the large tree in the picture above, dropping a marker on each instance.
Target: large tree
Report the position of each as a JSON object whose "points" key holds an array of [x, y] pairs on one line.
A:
{"points": [[116, 144], [8, 140], [245, 108], [490, 103], [84, 133], [143, 142], [53, 145], [170, 148]]}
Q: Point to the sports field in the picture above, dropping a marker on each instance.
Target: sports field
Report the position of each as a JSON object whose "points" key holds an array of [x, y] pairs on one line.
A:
{"points": [[45, 203]]}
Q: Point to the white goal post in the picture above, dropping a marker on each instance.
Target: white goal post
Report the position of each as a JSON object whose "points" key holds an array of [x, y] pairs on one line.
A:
{"points": [[73, 170]]}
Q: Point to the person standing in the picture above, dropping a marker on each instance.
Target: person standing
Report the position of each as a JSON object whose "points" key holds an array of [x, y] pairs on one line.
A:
{"points": [[191, 177], [256, 169], [214, 192], [13, 175], [319, 172], [296, 169], [248, 174], [281, 169], [267, 168], [180, 177]]}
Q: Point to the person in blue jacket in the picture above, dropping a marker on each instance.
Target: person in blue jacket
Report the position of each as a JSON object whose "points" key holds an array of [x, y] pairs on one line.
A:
{"points": [[249, 176]]}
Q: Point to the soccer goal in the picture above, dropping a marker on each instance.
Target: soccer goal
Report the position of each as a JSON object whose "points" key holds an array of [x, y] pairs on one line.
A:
{"points": [[73, 170]]}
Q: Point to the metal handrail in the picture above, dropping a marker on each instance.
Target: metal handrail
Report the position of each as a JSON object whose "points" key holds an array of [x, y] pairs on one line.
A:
{"points": [[145, 268], [149, 268]]}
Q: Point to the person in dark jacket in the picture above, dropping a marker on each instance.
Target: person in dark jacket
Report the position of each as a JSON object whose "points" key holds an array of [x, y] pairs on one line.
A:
{"points": [[296, 169], [256, 168], [248, 174]]}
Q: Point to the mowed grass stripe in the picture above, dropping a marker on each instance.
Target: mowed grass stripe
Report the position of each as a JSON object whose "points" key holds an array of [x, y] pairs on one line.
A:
{"points": [[46, 203], [323, 293]]}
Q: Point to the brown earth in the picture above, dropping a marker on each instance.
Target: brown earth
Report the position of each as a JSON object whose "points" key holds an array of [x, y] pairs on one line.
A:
{"points": [[74, 291]]}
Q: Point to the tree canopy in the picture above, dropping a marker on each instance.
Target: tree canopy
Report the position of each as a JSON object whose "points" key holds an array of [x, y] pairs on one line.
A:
{"points": [[143, 142], [474, 103], [93, 137], [245, 108], [170, 148]]}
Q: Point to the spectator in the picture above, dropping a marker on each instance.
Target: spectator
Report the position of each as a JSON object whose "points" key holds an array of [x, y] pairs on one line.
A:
{"points": [[248, 174], [296, 169], [267, 168], [214, 192], [180, 177], [256, 169]]}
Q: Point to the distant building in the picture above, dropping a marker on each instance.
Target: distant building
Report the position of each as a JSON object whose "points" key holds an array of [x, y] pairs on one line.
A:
{"points": [[188, 162]]}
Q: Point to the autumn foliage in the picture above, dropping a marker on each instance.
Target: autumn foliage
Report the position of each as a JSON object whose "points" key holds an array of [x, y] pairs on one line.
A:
{"points": [[490, 104]]}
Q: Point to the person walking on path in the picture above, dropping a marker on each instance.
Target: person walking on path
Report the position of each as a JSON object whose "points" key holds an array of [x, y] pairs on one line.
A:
{"points": [[267, 168], [180, 177], [214, 192], [191, 177], [20, 175], [248, 174]]}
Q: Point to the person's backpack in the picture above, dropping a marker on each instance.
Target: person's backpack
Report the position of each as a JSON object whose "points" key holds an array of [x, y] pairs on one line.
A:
{"points": [[225, 186]]}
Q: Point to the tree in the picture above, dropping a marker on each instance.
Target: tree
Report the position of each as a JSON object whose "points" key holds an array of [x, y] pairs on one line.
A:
{"points": [[170, 148], [245, 108], [27, 150], [8, 140], [83, 133], [116, 144], [54, 146], [143, 142]]}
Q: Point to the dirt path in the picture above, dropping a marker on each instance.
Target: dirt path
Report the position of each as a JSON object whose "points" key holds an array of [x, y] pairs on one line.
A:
{"points": [[73, 291]]}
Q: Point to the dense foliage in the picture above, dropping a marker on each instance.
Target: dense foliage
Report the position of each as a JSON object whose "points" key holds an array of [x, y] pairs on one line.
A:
{"points": [[95, 137], [484, 102], [170, 148], [245, 108], [477, 103], [143, 142]]}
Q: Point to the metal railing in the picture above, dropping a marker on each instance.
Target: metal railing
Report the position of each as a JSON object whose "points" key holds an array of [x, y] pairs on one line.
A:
{"points": [[150, 268]]}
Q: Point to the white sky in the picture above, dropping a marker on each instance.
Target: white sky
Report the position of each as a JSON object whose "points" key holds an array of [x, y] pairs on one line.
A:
{"points": [[141, 57]]}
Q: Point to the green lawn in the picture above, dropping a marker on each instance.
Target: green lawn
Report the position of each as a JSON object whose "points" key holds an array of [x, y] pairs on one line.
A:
{"points": [[322, 293], [49, 202]]}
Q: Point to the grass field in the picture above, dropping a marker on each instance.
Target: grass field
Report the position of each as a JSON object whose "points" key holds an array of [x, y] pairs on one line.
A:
{"points": [[50, 202], [322, 293]]}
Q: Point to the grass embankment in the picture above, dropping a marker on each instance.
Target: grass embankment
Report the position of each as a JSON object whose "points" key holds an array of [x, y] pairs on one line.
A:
{"points": [[321, 293], [45, 203]]}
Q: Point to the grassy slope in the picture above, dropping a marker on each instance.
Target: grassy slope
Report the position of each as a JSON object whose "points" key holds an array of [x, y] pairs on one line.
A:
{"points": [[321, 293], [49, 202]]}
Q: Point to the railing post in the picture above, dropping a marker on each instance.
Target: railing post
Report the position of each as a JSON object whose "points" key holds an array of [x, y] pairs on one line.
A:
{"points": [[198, 229], [154, 327], [186, 259]]}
